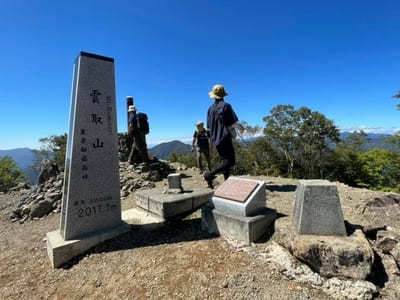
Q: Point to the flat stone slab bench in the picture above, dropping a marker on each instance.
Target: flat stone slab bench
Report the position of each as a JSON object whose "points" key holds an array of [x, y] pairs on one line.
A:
{"points": [[167, 206]]}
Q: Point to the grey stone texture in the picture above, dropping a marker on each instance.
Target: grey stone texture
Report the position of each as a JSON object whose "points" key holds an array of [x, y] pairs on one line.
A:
{"points": [[174, 181], [165, 205], [48, 169], [330, 256], [91, 197], [317, 208], [244, 229], [61, 251], [255, 202]]}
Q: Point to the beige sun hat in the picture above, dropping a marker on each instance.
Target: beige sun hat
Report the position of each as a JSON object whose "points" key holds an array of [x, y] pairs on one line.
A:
{"points": [[131, 108], [200, 123], [218, 92]]}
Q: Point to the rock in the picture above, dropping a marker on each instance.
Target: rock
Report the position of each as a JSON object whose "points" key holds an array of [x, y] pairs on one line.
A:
{"points": [[16, 213], [155, 175], [341, 289], [330, 256], [396, 254], [124, 194], [384, 210], [26, 210], [291, 268], [387, 240], [48, 169], [54, 195], [40, 209], [20, 186], [390, 266], [58, 184]]}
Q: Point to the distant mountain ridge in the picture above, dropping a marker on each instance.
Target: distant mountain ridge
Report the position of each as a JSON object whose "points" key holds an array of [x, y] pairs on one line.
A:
{"points": [[24, 158], [164, 150]]}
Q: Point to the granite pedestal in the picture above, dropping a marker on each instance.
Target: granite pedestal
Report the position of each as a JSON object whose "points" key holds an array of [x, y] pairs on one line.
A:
{"points": [[317, 208], [238, 211], [244, 229]]}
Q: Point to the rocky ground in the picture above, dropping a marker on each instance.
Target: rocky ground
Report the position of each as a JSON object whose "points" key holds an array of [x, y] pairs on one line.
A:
{"points": [[179, 261]]}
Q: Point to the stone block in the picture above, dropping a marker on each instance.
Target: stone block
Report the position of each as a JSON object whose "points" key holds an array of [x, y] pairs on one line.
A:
{"points": [[240, 196], [61, 251], [168, 206], [317, 208], [330, 256], [174, 181], [244, 229]]}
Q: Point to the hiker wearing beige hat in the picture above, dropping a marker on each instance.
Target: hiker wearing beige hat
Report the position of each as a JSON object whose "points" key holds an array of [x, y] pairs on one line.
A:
{"points": [[220, 121], [201, 142]]}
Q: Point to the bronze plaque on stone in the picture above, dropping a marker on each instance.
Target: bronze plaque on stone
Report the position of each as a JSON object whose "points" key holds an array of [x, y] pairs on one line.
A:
{"points": [[236, 189]]}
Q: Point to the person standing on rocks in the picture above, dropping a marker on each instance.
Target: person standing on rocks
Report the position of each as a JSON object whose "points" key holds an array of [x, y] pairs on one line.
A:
{"points": [[220, 121], [201, 140], [137, 129]]}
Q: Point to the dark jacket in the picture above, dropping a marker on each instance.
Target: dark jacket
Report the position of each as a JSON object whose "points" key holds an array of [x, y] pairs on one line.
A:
{"points": [[220, 116]]}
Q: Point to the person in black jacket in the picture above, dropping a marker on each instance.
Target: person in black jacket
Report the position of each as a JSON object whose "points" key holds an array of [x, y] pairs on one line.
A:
{"points": [[220, 121], [201, 141], [137, 135]]}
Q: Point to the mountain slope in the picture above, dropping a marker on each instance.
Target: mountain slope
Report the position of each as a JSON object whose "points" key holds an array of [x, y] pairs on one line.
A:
{"points": [[24, 158], [164, 150]]}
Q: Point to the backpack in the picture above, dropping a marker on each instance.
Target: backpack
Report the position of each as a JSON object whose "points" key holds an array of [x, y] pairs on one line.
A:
{"points": [[139, 124], [202, 139], [143, 123]]}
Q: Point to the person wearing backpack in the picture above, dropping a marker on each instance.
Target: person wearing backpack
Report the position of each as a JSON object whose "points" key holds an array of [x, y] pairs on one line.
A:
{"points": [[201, 140], [137, 129], [221, 121]]}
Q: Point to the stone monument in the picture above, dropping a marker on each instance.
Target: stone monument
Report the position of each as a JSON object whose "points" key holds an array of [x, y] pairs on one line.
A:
{"points": [[317, 208], [91, 206], [238, 210]]}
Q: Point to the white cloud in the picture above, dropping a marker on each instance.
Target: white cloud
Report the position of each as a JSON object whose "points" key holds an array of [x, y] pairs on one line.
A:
{"points": [[371, 129]]}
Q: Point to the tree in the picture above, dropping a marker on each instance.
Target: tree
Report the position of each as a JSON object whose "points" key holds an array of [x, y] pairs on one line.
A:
{"points": [[303, 136], [281, 130], [10, 174], [52, 147], [381, 169], [315, 133]]}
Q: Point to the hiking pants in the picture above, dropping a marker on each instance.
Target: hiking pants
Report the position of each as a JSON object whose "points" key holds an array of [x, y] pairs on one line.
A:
{"points": [[203, 152], [138, 152], [227, 154]]}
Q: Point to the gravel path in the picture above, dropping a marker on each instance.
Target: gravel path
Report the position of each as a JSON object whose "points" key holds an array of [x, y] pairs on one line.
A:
{"points": [[174, 261]]}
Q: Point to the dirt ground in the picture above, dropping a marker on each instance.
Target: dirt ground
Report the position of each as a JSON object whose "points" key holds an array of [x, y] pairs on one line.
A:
{"points": [[174, 261]]}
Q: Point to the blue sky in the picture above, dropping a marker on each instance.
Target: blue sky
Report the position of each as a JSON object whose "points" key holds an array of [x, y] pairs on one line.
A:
{"points": [[341, 58]]}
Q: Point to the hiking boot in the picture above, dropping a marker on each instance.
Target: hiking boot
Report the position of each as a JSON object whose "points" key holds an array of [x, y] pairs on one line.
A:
{"points": [[209, 178]]}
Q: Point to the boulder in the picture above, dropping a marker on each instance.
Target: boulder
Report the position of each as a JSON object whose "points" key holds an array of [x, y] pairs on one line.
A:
{"points": [[40, 209], [48, 169], [386, 240], [330, 256]]}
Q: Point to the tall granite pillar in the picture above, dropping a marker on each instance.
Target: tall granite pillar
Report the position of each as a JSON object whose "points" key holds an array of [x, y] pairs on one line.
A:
{"points": [[91, 206]]}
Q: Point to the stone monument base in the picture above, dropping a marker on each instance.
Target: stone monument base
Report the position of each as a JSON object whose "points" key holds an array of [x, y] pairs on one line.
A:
{"points": [[61, 251], [245, 229], [166, 206]]}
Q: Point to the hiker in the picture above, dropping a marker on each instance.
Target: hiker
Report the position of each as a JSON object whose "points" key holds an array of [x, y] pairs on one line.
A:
{"points": [[220, 121], [137, 129], [201, 141]]}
